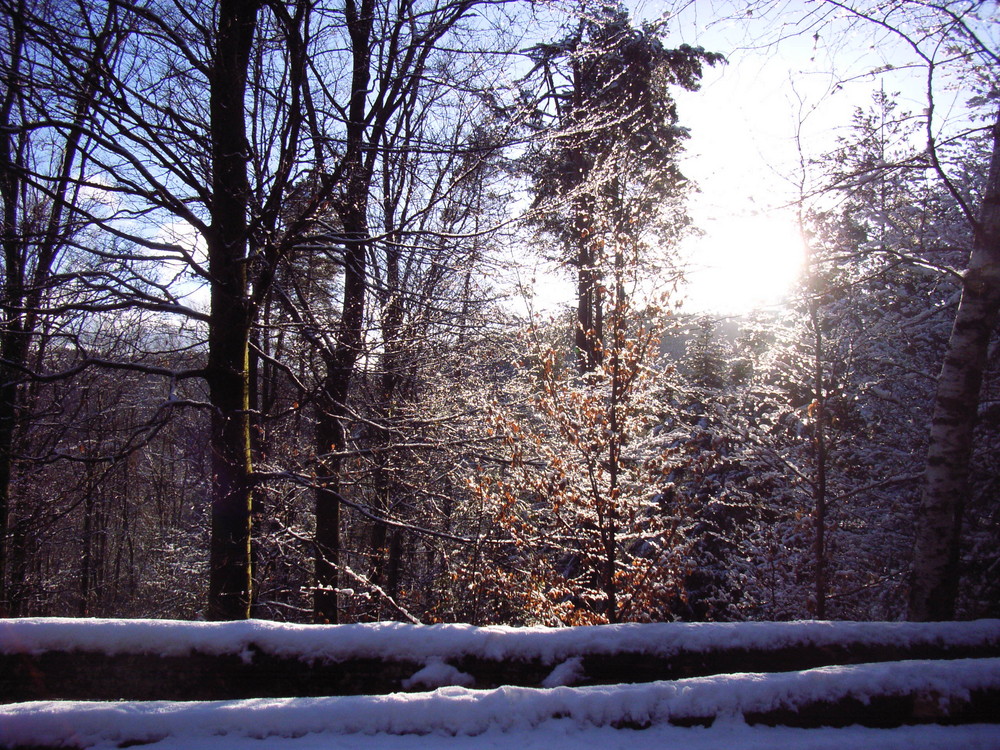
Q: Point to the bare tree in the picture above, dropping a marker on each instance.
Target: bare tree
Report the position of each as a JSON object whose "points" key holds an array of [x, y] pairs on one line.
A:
{"points": [[193, 186], [46, 111], [390, 54], [949, 45], [937, 547], [941, 37]]}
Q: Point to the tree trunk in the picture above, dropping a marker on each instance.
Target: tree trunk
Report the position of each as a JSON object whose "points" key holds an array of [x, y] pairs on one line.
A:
{"points": [[820, 450], [331, 424], [392, 320], [330, 437], [8, 423], [83, 608], [352, 206], [227, 371], [589, 313], [935, 571]]}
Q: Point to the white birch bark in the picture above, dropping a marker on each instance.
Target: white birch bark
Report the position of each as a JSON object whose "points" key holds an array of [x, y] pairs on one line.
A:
{"points": [[935, 570]]}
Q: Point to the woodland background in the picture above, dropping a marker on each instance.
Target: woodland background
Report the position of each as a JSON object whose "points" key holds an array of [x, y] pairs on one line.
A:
{"points": [[259, 357]]}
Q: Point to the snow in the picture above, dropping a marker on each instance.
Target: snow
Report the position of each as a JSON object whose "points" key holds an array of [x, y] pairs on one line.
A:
{"points": [[494, 718], [567, 673], [554, 717], [422, 643], [561, 734], [438, 674]]}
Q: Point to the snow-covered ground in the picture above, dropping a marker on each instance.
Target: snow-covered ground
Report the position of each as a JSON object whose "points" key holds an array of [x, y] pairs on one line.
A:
{"points": [[555, 718], [562, 734]]}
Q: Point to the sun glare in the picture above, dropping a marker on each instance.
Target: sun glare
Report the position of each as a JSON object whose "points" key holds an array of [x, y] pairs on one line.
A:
{"points": [[742, 264]]}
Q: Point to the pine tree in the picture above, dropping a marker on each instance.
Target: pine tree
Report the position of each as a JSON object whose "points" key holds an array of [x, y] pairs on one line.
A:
{"points": [[604, 162]]}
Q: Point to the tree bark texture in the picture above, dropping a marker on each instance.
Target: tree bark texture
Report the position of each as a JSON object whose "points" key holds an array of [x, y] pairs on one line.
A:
{"points": [[227, 372], [935, 570]]}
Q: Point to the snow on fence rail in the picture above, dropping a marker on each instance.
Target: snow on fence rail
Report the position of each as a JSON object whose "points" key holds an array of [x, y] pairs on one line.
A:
{"points": [[463, 683], [769, 699], [169, 660]]}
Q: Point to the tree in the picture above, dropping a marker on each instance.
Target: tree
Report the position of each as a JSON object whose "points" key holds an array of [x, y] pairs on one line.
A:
{"points": [[46, 110], [581, 491], [950, 45], [229, 321], [900, 233], [591, 536], [432, 296], [607, 164], [372, 132], [946, 484], [174, 167], [927, 29]]}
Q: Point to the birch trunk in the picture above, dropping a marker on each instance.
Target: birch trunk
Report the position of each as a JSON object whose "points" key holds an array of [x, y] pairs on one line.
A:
{"points": [[935, 570]]}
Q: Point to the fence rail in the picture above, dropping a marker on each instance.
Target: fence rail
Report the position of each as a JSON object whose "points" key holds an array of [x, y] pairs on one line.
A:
{"points": [[805, 675]]}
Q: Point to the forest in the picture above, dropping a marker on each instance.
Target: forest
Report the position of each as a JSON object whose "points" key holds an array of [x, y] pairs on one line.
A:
{"points": [[264, 350]]}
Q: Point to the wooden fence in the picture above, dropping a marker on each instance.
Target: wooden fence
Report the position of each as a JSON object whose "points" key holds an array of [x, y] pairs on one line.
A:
{"points": [[32, 670]]}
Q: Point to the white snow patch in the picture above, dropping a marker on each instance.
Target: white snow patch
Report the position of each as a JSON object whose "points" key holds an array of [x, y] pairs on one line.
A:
{"points": [[437, 674], [568, 673], [556, 718]]}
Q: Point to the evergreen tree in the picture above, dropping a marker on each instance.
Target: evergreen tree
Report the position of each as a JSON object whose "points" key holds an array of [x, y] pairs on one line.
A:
{"points": [[604, 163]]}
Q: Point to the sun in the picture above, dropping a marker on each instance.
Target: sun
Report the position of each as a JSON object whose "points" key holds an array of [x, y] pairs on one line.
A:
{"points": [[742, 264]]}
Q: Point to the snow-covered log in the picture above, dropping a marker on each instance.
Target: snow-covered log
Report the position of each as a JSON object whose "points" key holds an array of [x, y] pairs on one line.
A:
{"points": [[55, 659], [873, 695]]}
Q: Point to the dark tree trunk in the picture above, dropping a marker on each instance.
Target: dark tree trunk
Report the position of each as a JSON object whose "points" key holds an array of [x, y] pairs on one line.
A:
{"points": [[8, 424], [820, 456], [590, 312], [394, 566], [392, 320], [13, 345], [86, 564], [330, 438], [935, 572], [331, 427], [227, 371], [331, 435], [331, 424]]}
